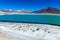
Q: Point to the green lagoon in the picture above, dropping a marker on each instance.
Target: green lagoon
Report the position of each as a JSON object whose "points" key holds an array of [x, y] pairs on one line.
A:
{"points": [[48, 19]]}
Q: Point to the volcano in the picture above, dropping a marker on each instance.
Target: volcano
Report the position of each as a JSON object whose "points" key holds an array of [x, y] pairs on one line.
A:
{"points": [[48, 10]]}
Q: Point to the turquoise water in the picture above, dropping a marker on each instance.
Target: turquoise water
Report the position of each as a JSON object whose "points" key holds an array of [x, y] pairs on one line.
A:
{"points": [[49, 19]]}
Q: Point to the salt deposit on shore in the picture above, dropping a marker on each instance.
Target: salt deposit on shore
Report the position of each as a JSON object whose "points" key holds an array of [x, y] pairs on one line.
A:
{"points": [[4, 36], [32, 31]]}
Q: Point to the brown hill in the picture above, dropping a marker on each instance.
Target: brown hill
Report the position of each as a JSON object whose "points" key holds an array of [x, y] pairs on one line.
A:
{"points": [[48, 10]]}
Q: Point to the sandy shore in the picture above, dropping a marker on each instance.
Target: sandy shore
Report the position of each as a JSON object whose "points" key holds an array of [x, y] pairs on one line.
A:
{"points": [[4, 36]]}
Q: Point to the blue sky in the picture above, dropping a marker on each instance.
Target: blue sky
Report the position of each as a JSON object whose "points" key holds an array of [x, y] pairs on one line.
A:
{"points": [[28, 4]]}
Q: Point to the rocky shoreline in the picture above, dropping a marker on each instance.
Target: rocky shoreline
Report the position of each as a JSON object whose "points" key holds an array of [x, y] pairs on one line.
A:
{"points": [[32, 31]]}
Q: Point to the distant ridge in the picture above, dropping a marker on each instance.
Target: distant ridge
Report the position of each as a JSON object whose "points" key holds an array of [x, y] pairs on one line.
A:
{"points": [[44, 10], [48, 10], [16, 11]]}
